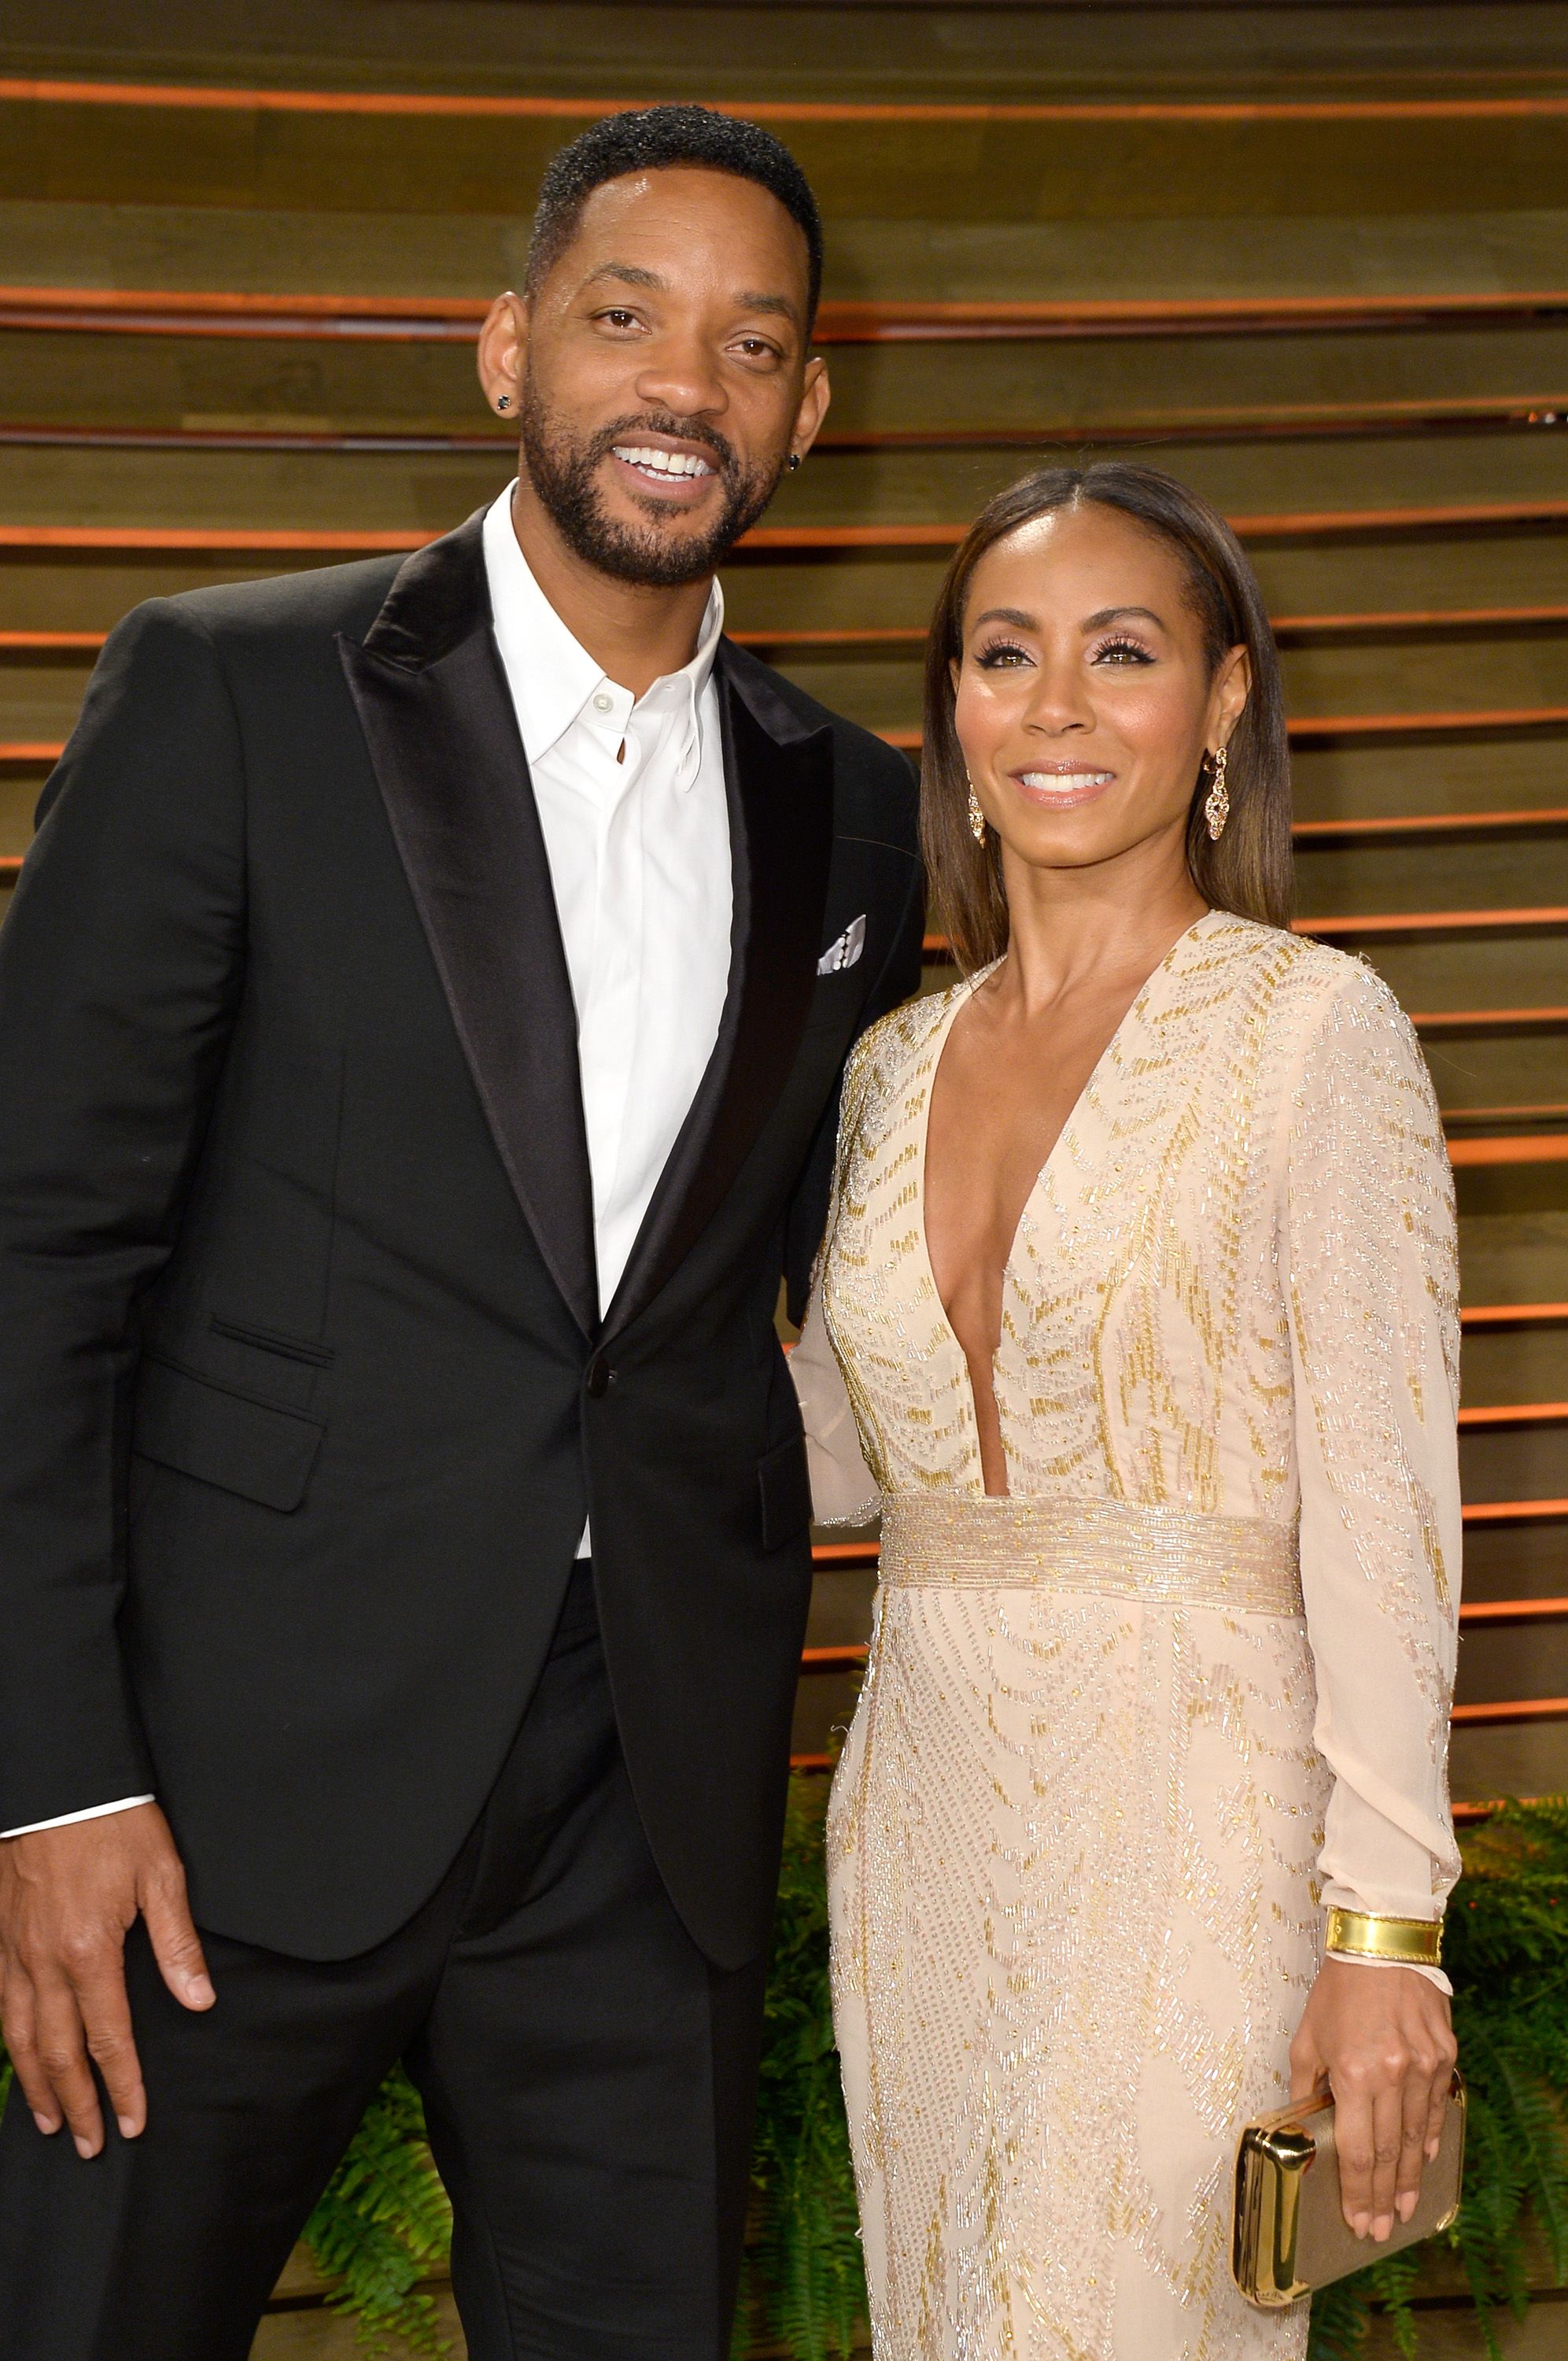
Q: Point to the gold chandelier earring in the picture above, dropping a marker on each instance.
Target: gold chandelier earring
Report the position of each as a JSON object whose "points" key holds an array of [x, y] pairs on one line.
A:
{"points": [[976, 816], [1217, 802]]}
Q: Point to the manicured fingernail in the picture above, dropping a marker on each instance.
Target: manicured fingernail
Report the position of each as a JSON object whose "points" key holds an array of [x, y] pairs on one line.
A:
{"points": [[1360, 2224], [1382, 2226], [128, 2127], [1406, 2203], [198, 1989], [84, 2148], [1432, 2151], [48, 2125]]}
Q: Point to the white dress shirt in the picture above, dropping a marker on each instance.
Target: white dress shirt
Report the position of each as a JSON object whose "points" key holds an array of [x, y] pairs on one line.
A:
{"points": [[631, 803]]}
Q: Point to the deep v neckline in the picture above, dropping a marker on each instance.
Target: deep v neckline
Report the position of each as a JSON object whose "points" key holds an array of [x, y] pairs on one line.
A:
{"points": [[1134, 1009]]}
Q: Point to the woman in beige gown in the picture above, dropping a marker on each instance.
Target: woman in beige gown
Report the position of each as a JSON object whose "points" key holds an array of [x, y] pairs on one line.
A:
{"points": [[1152, 1377]]}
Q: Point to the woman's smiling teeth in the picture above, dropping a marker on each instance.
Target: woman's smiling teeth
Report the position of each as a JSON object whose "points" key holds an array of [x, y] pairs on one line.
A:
{"points": [[661, 463], [1063, 783]]}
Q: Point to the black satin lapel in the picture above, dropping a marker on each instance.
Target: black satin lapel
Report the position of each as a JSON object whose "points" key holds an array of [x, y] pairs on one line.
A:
{"points": [[779, 782], [443, 740]]}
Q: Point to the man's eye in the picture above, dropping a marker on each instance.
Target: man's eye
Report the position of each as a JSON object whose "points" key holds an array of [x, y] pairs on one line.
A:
{"points": [[620, 319], [758, 348]]}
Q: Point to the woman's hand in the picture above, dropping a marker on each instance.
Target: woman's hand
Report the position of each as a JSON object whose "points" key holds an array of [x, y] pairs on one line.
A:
{"points": [[1383, 2037]]}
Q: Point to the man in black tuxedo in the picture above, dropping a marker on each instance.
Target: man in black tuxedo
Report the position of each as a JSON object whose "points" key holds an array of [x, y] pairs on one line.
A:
{"points": [[421, 1023]]}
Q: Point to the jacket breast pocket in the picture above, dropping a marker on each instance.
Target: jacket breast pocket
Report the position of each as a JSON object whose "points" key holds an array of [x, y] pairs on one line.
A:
{"points": [[264, 1454], [785, 1490]]}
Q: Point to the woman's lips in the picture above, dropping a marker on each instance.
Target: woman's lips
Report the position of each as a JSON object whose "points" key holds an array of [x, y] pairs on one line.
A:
{"points": [[1062, 790]]}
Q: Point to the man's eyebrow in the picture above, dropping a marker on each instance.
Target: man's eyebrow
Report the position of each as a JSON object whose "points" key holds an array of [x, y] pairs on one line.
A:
{"points": [[626, 274], [750, 301]]}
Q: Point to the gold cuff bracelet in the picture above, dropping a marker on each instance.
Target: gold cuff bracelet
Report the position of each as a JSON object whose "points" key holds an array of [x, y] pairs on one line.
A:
{"points": [[1414, 1942]]}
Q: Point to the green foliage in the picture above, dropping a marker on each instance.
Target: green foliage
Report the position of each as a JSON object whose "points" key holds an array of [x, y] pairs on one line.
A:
{"points": [[803, 2274], [384, 2220], [1506, 1951]]}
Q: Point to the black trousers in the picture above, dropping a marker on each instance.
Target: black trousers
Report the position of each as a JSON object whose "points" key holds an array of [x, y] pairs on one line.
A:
{"points": [[587, 2080]]}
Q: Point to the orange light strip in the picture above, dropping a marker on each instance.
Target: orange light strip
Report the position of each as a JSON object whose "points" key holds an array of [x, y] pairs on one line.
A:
{"points": [[1516, 1709], [1512, 1316], [50, 91], [1514, 1512], [1547, 1413]]}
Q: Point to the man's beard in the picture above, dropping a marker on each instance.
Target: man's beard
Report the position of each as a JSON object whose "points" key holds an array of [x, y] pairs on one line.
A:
{"points": [[660, 556]]}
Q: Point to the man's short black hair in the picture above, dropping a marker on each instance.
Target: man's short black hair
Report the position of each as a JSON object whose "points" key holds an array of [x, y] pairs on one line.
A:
{"points": [[656, 136]]}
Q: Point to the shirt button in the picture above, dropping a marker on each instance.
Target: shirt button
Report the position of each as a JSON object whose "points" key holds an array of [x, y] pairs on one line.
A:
{"points": [[602, 704]]}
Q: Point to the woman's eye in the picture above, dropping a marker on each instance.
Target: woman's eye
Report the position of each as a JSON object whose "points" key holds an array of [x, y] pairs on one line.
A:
{"points": [[1001, 656], [1122, 652]]}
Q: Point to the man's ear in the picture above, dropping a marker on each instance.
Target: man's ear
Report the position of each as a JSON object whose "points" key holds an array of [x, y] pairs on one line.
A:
{"points": [[503, 352], [816, 395]]}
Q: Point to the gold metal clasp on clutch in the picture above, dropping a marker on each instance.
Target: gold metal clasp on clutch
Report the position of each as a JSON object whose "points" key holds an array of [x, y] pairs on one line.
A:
{"points": [[1271, 2167]]}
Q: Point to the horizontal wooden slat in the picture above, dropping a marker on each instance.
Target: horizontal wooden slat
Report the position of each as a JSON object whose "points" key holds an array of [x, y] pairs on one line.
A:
{"points": [[1471, 823], [911, 640], [1486, 1020], [1516, 1709], [1539, 1413], [1514, 1512], [1313, 524], [454, 319], [1513, 1315], [1261, 422], [1551, 1148], [1430, 922], [43, 90], [1309, 729], [1552, 1111], [1482, 1614]]}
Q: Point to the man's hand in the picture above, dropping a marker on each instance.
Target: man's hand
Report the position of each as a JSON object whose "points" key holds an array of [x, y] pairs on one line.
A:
{"points": [[68, 1897], [1383, 2037]]}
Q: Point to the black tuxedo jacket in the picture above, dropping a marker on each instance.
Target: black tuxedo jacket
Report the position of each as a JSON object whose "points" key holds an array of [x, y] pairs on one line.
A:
{"points": [[304, 1390]]}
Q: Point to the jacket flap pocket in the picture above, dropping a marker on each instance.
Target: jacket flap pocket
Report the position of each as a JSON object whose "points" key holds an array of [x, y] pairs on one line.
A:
{"points": [[786, 1489], [244, 1446]]}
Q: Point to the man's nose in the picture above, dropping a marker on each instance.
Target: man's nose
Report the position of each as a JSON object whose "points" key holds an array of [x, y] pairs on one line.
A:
{"points": [[681, 375]]}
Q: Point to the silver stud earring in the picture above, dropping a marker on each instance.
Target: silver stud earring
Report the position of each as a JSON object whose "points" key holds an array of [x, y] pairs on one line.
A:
{"points": [[976, 816], [793, 461], [1217, 802], [503, 401]]}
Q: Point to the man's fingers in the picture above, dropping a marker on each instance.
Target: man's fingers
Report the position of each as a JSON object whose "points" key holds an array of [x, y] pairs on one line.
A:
{"points": [[106, 2022], [1352, 2145], [62, 2054], [176, 1945], [19, 2018]]}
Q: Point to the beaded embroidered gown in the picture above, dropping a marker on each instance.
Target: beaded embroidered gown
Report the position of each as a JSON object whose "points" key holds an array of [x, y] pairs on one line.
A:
{"points": [[1124, 1731]]}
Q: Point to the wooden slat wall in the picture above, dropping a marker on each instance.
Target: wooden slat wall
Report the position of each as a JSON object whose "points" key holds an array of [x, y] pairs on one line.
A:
{"points": [[1315, 260]]}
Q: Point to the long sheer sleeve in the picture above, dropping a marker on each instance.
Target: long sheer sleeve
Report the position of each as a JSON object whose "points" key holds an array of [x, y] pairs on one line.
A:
{"points": [[843, 1489], [1370, 1256]]}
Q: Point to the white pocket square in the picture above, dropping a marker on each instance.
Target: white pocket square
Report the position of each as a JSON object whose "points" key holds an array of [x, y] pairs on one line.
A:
{"points": [[847, 949]]}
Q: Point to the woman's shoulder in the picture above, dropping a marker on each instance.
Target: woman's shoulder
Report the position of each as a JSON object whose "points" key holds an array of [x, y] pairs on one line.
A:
{"points": [[886, 1050], [1308, 985]]}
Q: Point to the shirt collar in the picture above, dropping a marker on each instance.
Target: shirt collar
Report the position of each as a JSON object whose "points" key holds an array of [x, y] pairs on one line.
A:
{"points": [[551, 675]]}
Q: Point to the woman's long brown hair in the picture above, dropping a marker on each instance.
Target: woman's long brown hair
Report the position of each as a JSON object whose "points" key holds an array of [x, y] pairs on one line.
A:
{"points": [[1248, 870]]}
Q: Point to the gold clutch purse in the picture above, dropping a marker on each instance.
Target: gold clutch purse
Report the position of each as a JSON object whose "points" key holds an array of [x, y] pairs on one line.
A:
{"points": [[1288, 2235]]}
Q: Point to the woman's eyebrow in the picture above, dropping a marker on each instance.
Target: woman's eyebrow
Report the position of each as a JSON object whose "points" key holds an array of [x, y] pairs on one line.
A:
{"points": [[1007, 615], [1119, 615]]}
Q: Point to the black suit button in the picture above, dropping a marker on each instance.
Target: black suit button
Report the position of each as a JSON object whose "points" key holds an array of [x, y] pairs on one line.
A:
{"points": [[599, 1378]]}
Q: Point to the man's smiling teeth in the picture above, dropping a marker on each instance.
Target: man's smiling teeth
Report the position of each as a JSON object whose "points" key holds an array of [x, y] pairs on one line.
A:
{"points": [[1064, 782], [663, 462]]}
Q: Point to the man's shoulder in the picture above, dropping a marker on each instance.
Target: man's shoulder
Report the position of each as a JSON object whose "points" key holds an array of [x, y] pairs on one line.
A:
{"points": [[875, 782], [319, 602]]}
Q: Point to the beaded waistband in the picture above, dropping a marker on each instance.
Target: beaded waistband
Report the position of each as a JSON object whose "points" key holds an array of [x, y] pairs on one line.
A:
{"points": [[1177, 1556]]}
